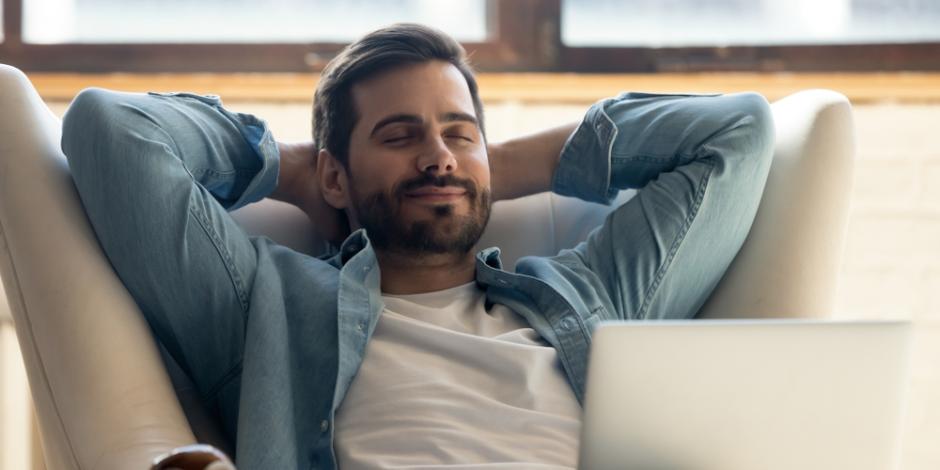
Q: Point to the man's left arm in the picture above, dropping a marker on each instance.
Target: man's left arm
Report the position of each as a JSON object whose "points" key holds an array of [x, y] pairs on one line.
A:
{"points": [[526, 165], [700, 163]]}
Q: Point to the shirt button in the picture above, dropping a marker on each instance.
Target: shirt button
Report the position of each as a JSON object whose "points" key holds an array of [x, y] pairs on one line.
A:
{"points": [[568, 323], [360, 326], [365, 269], [324, 425]]}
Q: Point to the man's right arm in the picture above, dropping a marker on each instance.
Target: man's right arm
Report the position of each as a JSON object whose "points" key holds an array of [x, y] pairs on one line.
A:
{"points": [[155, 175]]}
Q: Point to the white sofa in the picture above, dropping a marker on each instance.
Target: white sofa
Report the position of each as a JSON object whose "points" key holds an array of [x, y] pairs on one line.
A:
{"points": [[101, 390]]}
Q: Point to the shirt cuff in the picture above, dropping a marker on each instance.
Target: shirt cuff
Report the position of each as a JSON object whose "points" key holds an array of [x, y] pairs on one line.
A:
{"points": [[260, 139], [584, 166]]}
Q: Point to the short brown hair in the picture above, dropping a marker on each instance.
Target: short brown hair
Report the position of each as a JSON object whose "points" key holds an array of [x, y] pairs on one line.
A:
{"points": [[334, 113]]}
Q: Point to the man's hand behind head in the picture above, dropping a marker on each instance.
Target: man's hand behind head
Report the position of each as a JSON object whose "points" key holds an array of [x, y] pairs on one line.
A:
{"points": [[298, 184]]}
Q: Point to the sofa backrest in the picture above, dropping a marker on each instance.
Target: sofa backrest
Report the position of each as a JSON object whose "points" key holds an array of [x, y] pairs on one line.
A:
{"points": [[101, 390], [539, 225]]}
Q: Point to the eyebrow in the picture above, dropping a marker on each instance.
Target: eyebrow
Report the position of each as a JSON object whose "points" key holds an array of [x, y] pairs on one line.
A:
{"points": [[415, 119]]}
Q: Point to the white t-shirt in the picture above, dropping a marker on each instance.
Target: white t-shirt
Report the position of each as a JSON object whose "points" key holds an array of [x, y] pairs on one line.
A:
{"points": [[447, 384]]}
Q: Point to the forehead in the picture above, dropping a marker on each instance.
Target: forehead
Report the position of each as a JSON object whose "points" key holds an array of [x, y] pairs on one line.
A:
{"points": [[426, 89]]}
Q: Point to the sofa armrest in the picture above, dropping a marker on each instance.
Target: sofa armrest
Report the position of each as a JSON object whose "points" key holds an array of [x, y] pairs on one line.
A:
{"points": [[789, 263], [100, 389]]}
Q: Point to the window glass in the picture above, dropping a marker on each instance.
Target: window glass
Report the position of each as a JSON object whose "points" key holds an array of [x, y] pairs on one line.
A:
{"points": [[676, 23], [189, 21]]}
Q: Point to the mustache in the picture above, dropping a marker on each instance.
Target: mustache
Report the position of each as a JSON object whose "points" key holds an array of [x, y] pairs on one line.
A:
{"points": [[427, 179]]}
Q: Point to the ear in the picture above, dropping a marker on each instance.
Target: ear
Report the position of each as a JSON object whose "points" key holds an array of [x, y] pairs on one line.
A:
{"points": [[334, 182]]}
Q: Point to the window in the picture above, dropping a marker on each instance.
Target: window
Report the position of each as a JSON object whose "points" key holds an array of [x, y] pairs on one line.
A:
{"points": [[500, 35], [239, 21], [678, 23], [751, 35]]}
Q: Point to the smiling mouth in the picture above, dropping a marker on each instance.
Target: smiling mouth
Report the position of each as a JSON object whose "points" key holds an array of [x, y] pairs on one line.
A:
{"points": [[437, 194]]}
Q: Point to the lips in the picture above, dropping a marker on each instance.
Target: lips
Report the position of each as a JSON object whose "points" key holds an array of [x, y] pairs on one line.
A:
{"points": [[437, 192]]}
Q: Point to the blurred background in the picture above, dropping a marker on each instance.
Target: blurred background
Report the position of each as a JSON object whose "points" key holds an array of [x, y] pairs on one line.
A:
{"points": [[542, 62]]}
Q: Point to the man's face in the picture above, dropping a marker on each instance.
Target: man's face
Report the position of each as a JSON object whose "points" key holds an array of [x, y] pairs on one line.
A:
{"points": [[419, 179]]}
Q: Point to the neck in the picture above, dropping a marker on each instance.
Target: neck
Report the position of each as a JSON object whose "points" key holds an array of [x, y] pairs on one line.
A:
{"points": [[409, 274]]}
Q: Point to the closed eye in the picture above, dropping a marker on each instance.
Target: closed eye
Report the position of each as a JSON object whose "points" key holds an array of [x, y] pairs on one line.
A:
{"points": [[396, 140]]}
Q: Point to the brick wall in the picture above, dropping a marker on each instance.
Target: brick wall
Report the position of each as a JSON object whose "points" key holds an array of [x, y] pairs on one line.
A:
{"points": [[892, 258]]}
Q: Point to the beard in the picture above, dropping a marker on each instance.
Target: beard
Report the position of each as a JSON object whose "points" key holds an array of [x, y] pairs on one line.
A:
{"points": [[380, 214]]}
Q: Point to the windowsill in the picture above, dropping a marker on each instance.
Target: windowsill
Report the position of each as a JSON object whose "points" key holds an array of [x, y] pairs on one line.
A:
{"points": [[899, 87]]}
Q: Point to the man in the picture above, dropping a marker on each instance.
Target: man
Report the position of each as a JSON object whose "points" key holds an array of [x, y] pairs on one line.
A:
{"points": [[404, 348]]}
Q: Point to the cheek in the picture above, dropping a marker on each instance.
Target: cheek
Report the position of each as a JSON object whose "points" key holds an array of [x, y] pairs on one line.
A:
{"points": [[479, 167], [366, 164], [374, 172]]}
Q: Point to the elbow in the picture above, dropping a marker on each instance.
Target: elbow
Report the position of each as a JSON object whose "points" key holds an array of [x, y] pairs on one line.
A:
{"points": [[89, 119], [85, 110], [746, 137], [758, 120]]}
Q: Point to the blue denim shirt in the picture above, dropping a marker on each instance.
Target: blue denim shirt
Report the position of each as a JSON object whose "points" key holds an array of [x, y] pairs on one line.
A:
{"points": [[272, 338]]}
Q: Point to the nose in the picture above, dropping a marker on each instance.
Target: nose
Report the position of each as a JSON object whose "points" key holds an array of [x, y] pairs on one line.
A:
{"points": [[437, 158]]}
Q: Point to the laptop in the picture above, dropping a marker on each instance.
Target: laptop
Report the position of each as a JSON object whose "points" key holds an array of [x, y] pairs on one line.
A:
{"points": [[745, 395]]}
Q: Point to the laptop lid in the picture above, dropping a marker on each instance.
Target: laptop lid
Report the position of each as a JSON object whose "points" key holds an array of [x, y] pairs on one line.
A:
{"points": [[745, 395]]}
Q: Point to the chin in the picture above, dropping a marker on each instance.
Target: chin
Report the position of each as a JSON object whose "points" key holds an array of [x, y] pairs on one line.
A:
{"points": [[417, 228]]}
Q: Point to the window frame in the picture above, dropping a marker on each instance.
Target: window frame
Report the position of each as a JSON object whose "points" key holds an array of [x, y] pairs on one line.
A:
{"points": [[524, 36]]}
